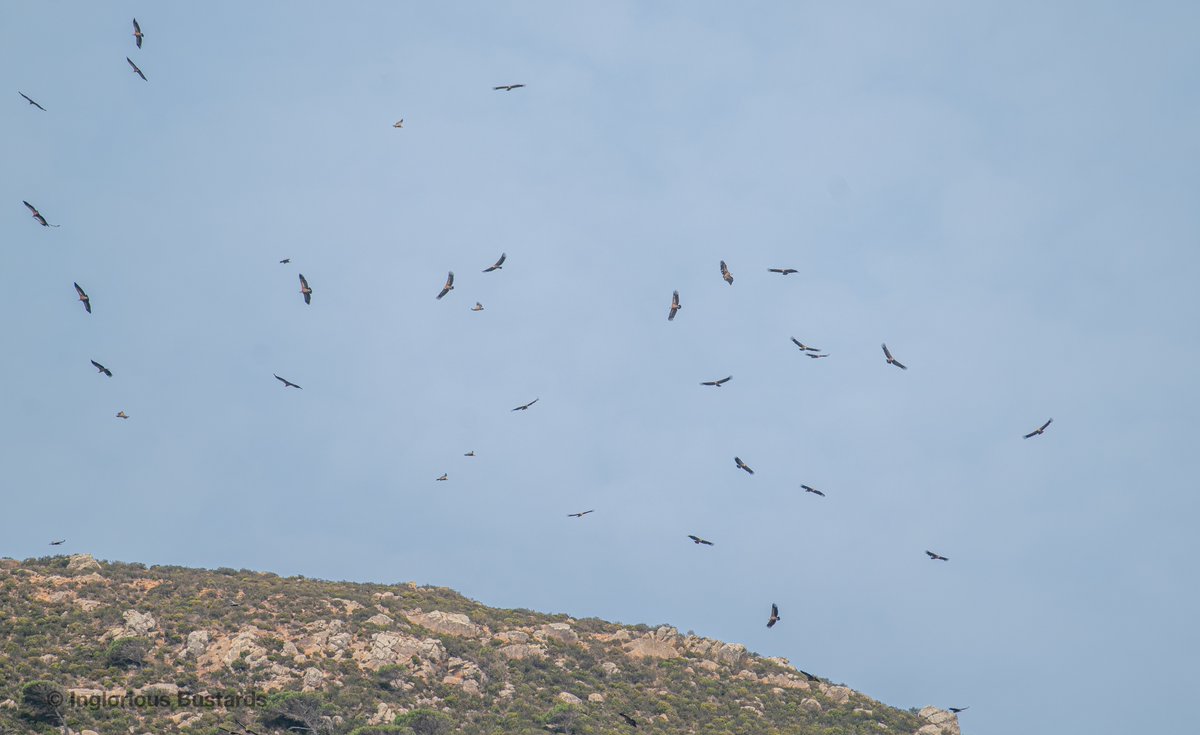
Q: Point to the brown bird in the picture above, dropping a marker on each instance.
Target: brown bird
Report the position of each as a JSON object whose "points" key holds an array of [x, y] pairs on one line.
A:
{"points": [[783, 271], [726, 274], [809, 676], [812, 490], [102, 369], [1039, 429], [527, 405], [37, 215], [136, 69], [305, 291], [580, 515], [774, 616], [509, 87], [891, 360], [936, 557], [470, 453], [286, 383], [449, 285], [58, 543], [718, 383], [137, 33], [698, 540], [742, 465], [628, 720], [477, 307], [674, 306], [815, 356], [30, 101], [444, 477], [87, 302], [286, 260], [956, 710], [804, 347], [399, 123], [122, 415], [498, 264]]}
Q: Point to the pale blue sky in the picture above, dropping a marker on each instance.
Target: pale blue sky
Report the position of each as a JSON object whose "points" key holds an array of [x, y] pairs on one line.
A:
{"points": [[1003, 192]]}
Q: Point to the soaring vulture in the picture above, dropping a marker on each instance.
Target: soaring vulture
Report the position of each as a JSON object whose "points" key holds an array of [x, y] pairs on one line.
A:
{"points": [[509, 87], [137, 33], [742, 465], [891, 360], [718, 383], [37, 215], [286, 383], [783, 271], [527, 405], [87, 302], [449, 285], [136, 70], [774, 615], [812, 490], [580, 514], [102, 369], [936, 557], [674, 306], [497, 265], [726, 274], [305, 290], [698, 540], [30, 101], [1039, 429]]}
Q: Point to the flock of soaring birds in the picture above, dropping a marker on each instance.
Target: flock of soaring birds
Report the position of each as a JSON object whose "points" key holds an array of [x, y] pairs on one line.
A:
{"points": [[306, 292]]}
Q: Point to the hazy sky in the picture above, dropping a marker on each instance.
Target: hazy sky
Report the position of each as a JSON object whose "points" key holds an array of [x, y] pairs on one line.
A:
{"points": [[1005, 193]]}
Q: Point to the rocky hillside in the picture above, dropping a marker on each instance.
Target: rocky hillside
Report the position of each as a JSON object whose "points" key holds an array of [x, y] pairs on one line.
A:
{"points": [[122, 648]]}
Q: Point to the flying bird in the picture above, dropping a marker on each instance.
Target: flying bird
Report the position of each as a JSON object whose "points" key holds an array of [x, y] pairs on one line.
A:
{"points": [[137, 33], [812, 490], [30, 101], [815, 356], [936, 557], [87, 302], [102, 369], [37, 215], [718, 383], [498, 264], [449, 285], [286, 383], [60, 542], [726, 274], [509, 87], [774, 615], [527, 405], [443, 477], [742, 465], [305, 290], [470, 453], [285, 260], [628, 720], [580, 515], [891, 360], [136, 70], [956, 710], [804, 347], [122, 415], [1039, 429], [477, 307], [674, 306], [808, 676], [698, 540], [399, 123], [783, 271]]}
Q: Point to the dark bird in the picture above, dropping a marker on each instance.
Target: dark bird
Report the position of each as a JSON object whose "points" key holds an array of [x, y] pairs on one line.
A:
{"points": [[470, 453], [812, 490], [509, 87], [891, 360], [783, 271], [286, 260], [87, 302], [580, 515], [698, 540], [674, 306], [399, 123], [30, 101], [628, 720], [804, 347], [136, 70], [305, 290], [956, 710], [497, 265], [37, 215], [726, 274], [809, 676], [102, 369], [444, 477], [936, 557], [286, 383], [718, 383], [122, 415], [742, 465], [815, 356], [449, 285], [60, 542], [774, 615], [1039, 429], [137, 33], [477, 307], [527, 405]]}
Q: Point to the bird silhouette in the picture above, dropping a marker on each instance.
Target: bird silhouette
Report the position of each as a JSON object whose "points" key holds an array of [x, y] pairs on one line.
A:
{"points": [[449, 285], [891, 360], [674, 306], [812, 490], [30, 101], [136, 70], [936, 557], [580, 515], [774, 616], [527, 405], [956, 710], [783, 271], [60, 542], [718, 383], [444, 477], [697, 540], [804, 347], [102, 369], [726, 274], [477, 307], [122, 415], [742, 465], [305, 291], [470, 453], [38, 215], [137, 33], [628, 720], [87, 302], [1039, 429], [399, 123], [286, 383], [286, 260], [497, 265], [509, 87]]}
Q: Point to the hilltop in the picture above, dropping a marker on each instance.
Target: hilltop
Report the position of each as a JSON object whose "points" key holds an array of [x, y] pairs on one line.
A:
{"points": [[124, 648]]}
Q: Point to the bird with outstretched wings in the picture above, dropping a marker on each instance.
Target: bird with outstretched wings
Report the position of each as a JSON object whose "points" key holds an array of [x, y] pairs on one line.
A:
{"points": [[1039, 429], [60, 542], [628, 720], [286, 383], [449, 285], [470, 453], [815, 356], [956, 710], [285, 260], [137, 33], [891, 360], [305, 291], [102, 369], [122, 415], [508, 87], [726, 274], [527, 405], [581, 514], [742, 465], [783, 271], [399, 123], [936, 557], [809, 676], [477, 307], [37, 215], [774, 616], [497, 265], [812, 490], [87, 301], [136, 70], [444, 477], [674, 306], [697, 540], [718, 383], [30, 101], [804, 347]]}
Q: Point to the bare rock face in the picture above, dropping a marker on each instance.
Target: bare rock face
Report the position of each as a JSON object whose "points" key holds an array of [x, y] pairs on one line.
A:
{"points": [[609, 668], [596, 697], [139, 624], [245, 645], [522, 650], [313, 678], [87, 605], [557, 631], [785, 681], [660, 643], [940, 722], [465, 675], [732, 654], [325, 636], [197, 643], [568, 698], [810, 704], [512, 636], [445, 623], [838, 695], [383, 621], [82, 563], [390, 648]]}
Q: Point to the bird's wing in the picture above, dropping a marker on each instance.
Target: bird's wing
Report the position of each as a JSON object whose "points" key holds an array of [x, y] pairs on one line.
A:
{"points": [[725, 380], [675, 298], [798, 343], [450, 280], [774, 610], [79, 291], [137, 28], [1046, 424], [899, 364], [281, 380], [535, 400], [886, 351], [303, 281], [98, 365], [139, 71], [694, 538], [931, 554], [501, 261], [31, 207]]}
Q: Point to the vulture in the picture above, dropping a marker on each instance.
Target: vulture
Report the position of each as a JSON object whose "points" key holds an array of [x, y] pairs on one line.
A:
{"points": [[815, 356], [137, 33], [122, 415], [399, 123], [102, 369], [60, 542], [812, 490], [37, 215], [509, 87], [497, 265], [674, 306], [783, 271], [87, 302], [956, 710], [1039, 429], [742, 465], [136, 70], [809, 676], [305, 290], [628, 720], [286, 260], [526, 406], [774, 615], [936, 557], [477, 307], [726, 274], [718, 383], [698, 540], [470, 453], [30, 101], [449, 285], [286, 383], [580, 515], [804, 347], [445, 476], [891, 360]]}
